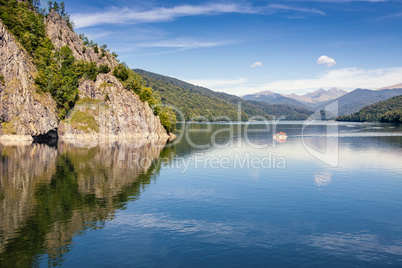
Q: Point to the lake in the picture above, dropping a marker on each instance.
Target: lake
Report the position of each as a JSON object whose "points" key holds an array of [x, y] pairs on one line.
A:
{"points": [[221, 195]]}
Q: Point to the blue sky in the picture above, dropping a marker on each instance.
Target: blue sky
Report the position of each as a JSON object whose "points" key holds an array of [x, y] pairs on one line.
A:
{"points": [[242, 47]]}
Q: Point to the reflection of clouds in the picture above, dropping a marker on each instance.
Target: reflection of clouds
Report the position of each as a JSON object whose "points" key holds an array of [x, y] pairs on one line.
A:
{"points": [[322, 179], [364, 246], [254, 174], [240, 233], [187, 194]]}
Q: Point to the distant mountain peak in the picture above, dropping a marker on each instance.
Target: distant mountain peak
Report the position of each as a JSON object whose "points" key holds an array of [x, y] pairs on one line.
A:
{"points": [[318, 96], [266, 93]]}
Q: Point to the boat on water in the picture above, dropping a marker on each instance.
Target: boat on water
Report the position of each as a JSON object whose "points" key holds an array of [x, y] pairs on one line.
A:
{"points": [[280, 137]]}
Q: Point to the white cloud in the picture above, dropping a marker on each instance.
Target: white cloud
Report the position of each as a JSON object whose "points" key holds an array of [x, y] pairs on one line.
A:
{"points": [[345, 78], [256, 64], [294, 8], [184, 43], [217, 83], [133, 16], [325, 60]]}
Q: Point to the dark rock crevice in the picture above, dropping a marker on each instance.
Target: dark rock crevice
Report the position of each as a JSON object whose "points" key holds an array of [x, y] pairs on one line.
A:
{"points": [[50, 135]]}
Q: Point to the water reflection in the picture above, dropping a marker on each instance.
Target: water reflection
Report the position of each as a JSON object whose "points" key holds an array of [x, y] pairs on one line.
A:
{"points": [[50, 194], [322, 179]]}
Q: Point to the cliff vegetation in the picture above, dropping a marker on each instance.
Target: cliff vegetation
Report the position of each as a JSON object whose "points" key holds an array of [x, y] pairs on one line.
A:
{"points": [[61, 66]]}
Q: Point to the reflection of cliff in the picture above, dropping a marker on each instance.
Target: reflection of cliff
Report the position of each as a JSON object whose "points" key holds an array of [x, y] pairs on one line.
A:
{"points": [[21, 168], [86, 188]]}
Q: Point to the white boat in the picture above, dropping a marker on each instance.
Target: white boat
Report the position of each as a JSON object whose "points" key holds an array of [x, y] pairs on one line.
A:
{"points": [[280, 137]]}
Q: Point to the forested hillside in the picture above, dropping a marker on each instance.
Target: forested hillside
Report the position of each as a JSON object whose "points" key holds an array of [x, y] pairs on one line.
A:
{"points": [[385, 111], [195, 100]]}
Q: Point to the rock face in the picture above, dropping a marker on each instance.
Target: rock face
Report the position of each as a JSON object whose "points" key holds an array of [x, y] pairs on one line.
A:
{"points": [[23, 112], [107, 111], [61, 35]]}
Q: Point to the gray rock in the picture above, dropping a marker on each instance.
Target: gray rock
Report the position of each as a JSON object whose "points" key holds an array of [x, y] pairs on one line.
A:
{"points": [[23, 112], [61, 35], [107, 111]]}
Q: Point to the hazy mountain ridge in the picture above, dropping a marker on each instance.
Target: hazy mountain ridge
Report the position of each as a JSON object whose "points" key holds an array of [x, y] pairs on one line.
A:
{"points": [[307, 101], [348, 102], [318, 96], [358, 98], [273, 98]]}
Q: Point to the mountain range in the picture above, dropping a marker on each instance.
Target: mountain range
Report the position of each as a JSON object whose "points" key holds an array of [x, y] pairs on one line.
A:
{"points": [[318, 96], [308, 100], [348, 102]]}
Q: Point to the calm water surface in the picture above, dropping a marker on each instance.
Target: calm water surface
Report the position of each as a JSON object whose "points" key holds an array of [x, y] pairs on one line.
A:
{"points": [[244, 202]]}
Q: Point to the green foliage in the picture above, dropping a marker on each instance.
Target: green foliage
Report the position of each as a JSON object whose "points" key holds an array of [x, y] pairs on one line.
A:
{"points": [[147, 95], [289, 112], [134, 83], [114, 54], [104, 69], [27, 26], [60, 9], [96, 49], [121, 72], [168, 119], [385, 111], [62, 77], [2, 81]]}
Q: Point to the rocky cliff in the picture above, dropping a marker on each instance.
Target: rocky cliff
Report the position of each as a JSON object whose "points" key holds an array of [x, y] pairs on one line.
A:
{"points": [[61, 35], [23, 112], [105, 110]]}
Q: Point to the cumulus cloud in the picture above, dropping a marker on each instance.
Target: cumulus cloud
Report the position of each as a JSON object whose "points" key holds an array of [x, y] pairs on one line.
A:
{"points": [[325, 60], [256, 64]]}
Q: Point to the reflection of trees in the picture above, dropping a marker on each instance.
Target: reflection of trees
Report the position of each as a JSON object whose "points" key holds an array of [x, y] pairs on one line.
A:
{"points": [[21, 168], [82, 191]]}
